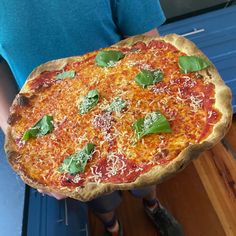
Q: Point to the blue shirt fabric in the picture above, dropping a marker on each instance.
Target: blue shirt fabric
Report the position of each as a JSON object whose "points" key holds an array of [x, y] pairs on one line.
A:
{"points": [[33, 32]]}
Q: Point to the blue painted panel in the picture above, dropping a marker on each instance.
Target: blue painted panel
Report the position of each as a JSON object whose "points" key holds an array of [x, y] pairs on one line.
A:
{"points": [[50, 217], [212, 22], [11, 197], [216, 37]]}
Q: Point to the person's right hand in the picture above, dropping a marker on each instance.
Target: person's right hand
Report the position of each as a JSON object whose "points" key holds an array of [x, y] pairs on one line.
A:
{"points": [[55, 195]]}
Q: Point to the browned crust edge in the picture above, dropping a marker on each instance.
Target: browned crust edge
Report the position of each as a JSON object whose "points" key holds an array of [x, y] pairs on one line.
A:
{"points": [[156, 174]]}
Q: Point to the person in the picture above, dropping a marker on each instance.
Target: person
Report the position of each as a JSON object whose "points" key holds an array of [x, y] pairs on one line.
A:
{"points": [[33, 32]]}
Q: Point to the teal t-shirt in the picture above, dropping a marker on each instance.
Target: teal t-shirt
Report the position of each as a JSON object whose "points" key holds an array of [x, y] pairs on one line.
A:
{"points": [[33, 32]]}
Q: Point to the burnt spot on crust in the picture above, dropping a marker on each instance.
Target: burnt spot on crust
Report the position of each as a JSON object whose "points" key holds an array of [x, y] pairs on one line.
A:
{"points": [[208, 73], [13, 118], [13, 156], [199, 76], [182, 166], [22, 100]]}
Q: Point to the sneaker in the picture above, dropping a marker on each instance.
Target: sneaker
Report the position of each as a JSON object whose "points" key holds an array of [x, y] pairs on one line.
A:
{"points": [[164, 221], [119, 233]]}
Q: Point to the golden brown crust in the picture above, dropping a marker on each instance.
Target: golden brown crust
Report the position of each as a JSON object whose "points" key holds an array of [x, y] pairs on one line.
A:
{"points": [[223, 103], [156, 174]]}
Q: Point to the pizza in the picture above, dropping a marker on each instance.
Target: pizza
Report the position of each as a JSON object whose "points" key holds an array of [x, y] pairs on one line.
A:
{"points": [[118, 118]]}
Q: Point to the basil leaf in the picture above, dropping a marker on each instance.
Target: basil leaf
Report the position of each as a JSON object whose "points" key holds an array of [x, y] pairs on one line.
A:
{"points": [[88, 149], [45, 125], [108, 58], [90, 101], [93, 93], [117, 105], [77, 162], [147, 77], [192, 63], [155, 122], [69, 165], [138, 126], [32, 132], [152, 123], [42, 127], [66, 74]]}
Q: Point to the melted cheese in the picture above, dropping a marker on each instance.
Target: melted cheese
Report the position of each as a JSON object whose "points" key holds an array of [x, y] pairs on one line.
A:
{"points": [[177, 97]]}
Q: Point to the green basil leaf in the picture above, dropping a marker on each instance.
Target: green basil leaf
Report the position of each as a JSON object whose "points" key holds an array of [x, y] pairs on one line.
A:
{"points": [[71, 166], [77, 167], [89, 101], [138, 126], [93, 93], [42, 127], [152, 123], [192, 63], [77, 162], [88, 149], [147, 77], [117, 105], [108, 58], [66, 74], [30, 133], [45, 125]]}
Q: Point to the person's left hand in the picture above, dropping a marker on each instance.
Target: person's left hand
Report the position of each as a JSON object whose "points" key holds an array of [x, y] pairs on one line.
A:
{"points": [[55, 195]]}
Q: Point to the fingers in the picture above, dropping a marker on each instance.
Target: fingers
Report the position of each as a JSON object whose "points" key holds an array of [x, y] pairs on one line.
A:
{"points": [[58, 196], [55, 195]]}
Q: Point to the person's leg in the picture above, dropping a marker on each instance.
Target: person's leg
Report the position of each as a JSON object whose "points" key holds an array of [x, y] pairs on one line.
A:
{"points": [[109, 220], [164, 221], [104, 208], [148, 194]]}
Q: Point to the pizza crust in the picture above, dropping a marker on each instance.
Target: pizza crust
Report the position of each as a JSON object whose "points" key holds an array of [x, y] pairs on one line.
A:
{"points": [[158, 173]]}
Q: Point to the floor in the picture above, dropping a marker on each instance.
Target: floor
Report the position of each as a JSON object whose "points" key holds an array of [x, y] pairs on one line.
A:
{"points": [[202, 197]]}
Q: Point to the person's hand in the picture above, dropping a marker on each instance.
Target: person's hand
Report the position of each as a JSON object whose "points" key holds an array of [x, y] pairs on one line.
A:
{"points": [[55, 195]]}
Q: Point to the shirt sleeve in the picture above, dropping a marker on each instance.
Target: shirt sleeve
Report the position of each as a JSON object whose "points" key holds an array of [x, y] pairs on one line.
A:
{"points": [[137, 16]]}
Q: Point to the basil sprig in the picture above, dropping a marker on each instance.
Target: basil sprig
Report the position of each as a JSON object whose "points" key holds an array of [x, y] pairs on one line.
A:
{"points": [[192, 63], [117, 105], [65, 74], [152, 123], [147, 77], [89, 101], [42, 127], [108, 58], [76, 162]]}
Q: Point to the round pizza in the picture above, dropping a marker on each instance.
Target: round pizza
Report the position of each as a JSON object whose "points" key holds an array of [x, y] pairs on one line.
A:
{"points": [[118, 118]]}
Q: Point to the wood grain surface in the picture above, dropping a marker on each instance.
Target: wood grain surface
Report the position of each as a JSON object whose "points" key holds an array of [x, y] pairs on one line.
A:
{"points": [[217, 170]]}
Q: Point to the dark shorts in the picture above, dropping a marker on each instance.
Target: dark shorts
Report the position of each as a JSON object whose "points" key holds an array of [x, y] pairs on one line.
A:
{"points": [[110, 202]]}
